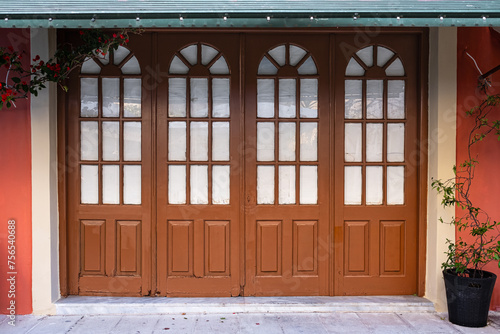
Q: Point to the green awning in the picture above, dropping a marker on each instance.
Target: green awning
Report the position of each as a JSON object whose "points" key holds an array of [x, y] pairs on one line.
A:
{"points": [[247, 13]]}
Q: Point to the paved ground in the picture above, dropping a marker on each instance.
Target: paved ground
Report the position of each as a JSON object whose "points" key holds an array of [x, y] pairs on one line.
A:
{"points": [[310, 323]]}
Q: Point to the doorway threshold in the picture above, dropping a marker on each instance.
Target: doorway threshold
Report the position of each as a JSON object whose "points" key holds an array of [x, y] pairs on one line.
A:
{"points": [[85, 305]]}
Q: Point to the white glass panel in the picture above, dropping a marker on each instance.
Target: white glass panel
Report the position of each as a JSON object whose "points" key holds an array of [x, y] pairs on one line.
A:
{"points": [[177, 97], [396, 99], [308, 141], [353, 99], [220, 184], [199, 141], [266, 67], [374, 187], [220, 66], [308, 67], [287, 100], [308, 98], [383, 55], [103, 59], [89, 141], [120, 54], [191, 54], [220, 97], [265, 141], [199, 184], [89, 184], [265, 184], [395, 69], [132, 97], [395, 185], [132, 184], [132, 141], [89, 97], [278, 54], [89, 66], [296, 54], [374, 99], [220, 141], [366, 55], [110, 97], [207, 54], [354, 69], [177, 66], [353, 142], [111, 184], [177, 141], [287, 141], [374, 138], [395, 142], [111, 141], [308, 185], [286, 184], [131, 66], [199, 97], [265, 98], [352, 185], [177, 184]]}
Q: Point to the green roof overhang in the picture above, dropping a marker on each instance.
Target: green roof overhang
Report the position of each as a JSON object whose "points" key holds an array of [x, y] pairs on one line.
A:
{"points": [[247, 13]]}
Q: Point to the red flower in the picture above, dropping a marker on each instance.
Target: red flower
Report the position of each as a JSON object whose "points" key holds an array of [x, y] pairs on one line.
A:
{"points": [[121, 36], [81, 32], [24, 83], [0, 85], [126, 41], [11, 49], [67, 68], [114, 35], [4, 97]]}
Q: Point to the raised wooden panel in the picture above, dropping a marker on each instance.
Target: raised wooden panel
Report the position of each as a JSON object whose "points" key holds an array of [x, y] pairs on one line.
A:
{"points": [[305, 248], [92, 247], [216, 248], [128, 247], [269, 248], [356, 247], [180, 250], [392, 247]]}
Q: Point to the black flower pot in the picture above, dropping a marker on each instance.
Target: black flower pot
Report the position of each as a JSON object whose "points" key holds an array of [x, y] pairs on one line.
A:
{"points": [[469, 297]]}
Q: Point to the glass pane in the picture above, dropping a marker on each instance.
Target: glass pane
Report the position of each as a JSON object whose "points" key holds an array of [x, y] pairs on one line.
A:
{"points": [[265, 184], [395, 185], [374, 188], [287, 141], [374, 99], [89, 185], [265, 141], [353, 142], [220, 141], [120, 54], [89, 97], [366, 55], [220, 184], [220, 97], [266, 67], [199, 97], [296, 54], [353, 99], [111, 184], [395, 142], [308, 67], [177, 97], [207, 54], [89, 66], [220, 66], [177, 141], [191, 54], [177, 66], [354, 69], [396, 99], [103, 59], [286, 184], [383, 55], [132, 97], [352, 185], [308, 98], [132, 141], [374, 138], [111, 141], [199, 184], [308, 185], [177, 184], [199, 141], [89, 141], [110, 97], [287, 100], [265, 98], [308, 141], [132, 184], [131, 66], [278, 54], [395, 69]]}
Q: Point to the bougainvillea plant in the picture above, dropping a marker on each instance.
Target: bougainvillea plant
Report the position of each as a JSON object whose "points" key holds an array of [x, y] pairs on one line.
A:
{"points": [[20, 81]]}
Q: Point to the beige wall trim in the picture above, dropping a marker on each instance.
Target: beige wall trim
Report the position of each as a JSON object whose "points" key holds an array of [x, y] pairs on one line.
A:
{"points": [[442, 153], [45, 267]]}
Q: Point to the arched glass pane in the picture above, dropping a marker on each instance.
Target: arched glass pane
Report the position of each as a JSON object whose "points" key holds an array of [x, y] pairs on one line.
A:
{"points": [[266, 67], [366, 55], [120, 54], [354, 69], [308, 67], [278, 54], [191, 54], [131, 66], [89, 66], [383, 55], [178, 67], [103, 59], [395, 69], [207, 54], [220, 66], [296, 54]]}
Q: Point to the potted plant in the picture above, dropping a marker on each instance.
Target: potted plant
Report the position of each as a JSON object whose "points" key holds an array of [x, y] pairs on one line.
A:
{"points": [[468, 286]]}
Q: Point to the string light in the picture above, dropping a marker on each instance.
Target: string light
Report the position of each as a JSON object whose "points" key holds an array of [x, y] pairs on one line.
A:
{"points": [[181, 18], [268, 18], [312, 18], [225, 18], [355, 17], [441, 17], [137, 18], [92, 19], [50, 19], [6, 19], [484, 17]]}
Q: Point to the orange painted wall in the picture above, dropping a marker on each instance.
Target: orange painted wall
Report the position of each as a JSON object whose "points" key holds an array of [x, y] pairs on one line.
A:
{"points": [[484, 45], [15, 186]]}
